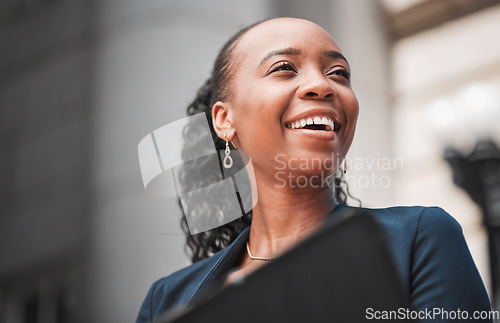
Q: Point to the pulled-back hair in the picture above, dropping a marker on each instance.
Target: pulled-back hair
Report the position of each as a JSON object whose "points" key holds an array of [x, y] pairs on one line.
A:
{"points": [[192, 175]]}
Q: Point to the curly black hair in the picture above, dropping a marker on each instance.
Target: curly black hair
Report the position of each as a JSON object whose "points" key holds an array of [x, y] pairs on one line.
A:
{"points": [[193, 175]]}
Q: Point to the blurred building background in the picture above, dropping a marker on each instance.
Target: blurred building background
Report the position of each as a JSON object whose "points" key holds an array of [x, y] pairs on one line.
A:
{"points": [[82, 82]]}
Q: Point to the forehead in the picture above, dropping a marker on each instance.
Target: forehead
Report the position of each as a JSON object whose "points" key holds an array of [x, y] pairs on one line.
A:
{"points": [[284, 33]]}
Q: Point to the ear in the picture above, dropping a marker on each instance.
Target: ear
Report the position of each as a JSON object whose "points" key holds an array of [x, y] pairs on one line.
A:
{"points": [[222, 119]]}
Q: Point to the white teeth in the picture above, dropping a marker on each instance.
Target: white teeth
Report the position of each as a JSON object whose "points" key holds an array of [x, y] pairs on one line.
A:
{"points": [[327, 122], [313, 120]]}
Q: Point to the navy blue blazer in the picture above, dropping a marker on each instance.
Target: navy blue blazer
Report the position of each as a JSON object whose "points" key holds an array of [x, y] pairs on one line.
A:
{"points": [[427, 244]]}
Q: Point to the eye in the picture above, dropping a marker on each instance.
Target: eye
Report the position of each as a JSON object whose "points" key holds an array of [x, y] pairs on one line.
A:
{"points": [[282, 66], [341, 72]]}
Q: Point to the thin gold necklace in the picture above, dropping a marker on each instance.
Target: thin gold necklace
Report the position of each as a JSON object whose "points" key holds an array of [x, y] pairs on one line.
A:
{"points": [[257, 258]]}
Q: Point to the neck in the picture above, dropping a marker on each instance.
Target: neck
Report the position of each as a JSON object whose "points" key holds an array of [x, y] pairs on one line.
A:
{"points": [[285, 216]]}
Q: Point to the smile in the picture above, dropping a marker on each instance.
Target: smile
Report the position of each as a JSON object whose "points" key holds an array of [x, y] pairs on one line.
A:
{"points": [[317, 123]]}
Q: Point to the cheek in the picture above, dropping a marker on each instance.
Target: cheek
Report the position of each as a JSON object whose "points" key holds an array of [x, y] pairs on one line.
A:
{"points": [[352, 104], [351, 110], [260, 107], [258, 122]]}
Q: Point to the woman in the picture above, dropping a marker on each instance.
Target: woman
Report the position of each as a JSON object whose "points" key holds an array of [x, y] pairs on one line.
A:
{"points": [[280, 91]]}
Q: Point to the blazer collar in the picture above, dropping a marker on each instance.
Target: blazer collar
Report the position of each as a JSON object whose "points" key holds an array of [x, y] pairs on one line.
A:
{"points": [[220, 265]]}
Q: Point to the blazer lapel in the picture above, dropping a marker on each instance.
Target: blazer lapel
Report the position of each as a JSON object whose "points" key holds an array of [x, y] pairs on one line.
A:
{"points": [[220, 266]]}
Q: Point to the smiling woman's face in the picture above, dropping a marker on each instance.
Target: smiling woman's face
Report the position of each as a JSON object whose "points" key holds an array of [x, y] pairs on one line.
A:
{"points": [[289, 73]]}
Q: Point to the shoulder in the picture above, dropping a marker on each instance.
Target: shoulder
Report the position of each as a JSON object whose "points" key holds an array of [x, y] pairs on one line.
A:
{"points": [[433, 258], [413, 215], [415, 231], [176, 289], [187, 285], [412, 222], [419, 228]]}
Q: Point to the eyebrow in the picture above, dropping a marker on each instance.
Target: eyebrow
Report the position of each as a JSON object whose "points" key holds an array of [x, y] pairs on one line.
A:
{"points": [[283, 51], [335, 54], [295, 51]]}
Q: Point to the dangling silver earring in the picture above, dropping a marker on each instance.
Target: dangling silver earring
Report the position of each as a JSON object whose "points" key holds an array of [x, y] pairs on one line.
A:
{"points": [[345, 166], [228, 160]]}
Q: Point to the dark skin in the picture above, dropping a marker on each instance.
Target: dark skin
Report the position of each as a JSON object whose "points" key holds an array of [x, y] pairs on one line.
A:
{"points": [[286, 71]]}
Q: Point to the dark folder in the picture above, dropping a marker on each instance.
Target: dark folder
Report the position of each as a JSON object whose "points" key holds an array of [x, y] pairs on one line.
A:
{"points": [[342, 273]]}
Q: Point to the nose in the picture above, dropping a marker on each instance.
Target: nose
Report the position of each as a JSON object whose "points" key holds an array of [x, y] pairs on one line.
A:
{"points": [[316, 86]]}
